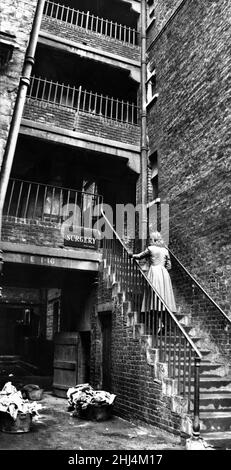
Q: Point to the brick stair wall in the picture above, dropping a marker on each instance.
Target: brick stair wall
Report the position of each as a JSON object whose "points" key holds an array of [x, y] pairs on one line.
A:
{"points": [[144, 390], [202, 313]]}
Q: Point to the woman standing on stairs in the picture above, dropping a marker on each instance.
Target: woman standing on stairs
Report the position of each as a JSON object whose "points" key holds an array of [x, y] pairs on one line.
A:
{"points": [[158, 275]]}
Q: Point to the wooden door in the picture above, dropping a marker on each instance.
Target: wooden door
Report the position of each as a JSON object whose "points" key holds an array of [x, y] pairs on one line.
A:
{"points": [[106, 322], [65, 362]]}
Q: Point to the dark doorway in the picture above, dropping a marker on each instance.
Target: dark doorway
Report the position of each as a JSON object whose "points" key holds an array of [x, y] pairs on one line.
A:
{"points": [[11, 330], [106, 325]]}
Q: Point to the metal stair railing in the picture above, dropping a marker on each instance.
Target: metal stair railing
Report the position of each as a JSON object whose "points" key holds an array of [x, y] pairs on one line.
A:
{"points": [[175, 346], [202, 290]]}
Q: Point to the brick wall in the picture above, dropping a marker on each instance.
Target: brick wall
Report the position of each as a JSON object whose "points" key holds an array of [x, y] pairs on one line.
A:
{"points": [[90, 38], [139, 394], [85, 123], [35, 232], [31, 232], [189, 128], [16, 18], [208, 321], [47, 113]]}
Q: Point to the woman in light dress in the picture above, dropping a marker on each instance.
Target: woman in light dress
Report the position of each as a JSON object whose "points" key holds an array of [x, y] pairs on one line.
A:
{"points": [[158, 275]]}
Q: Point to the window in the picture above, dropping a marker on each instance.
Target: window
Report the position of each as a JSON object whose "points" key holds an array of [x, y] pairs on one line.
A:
{"points": [[152, 95], [154, 175], [151, 12]]}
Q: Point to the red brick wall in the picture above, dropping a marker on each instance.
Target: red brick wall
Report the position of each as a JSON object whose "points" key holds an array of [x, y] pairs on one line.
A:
{"points": [[91, 39], [189, 127], [86, 123]]}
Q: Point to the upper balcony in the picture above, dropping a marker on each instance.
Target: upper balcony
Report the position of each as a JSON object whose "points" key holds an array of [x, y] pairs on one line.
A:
{"points": [[93, 117], [50, 225], [91, 32]]}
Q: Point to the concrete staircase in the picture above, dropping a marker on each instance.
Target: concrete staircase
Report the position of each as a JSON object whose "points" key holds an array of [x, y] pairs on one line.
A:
{"points": [[215, 388]]}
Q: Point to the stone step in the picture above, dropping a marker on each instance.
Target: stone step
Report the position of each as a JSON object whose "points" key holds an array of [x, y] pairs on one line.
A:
{"points": [[214, 385], [208, 369], [220, 440], [215, 421], [215, 401]]}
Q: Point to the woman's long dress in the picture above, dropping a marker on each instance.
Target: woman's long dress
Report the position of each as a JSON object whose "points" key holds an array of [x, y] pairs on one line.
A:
{"points": [[159, 277]]}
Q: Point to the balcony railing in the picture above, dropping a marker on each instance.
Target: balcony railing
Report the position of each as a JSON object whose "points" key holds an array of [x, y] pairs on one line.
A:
{"points": [[83, 100], [29, 200], [82, 19]]}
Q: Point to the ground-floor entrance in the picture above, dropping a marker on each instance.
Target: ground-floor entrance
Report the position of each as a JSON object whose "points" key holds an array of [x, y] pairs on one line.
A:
{"points": [[37, 304]]}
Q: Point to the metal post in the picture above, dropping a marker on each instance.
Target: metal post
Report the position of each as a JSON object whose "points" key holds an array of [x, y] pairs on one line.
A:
{"points": [[1, 271], [143, 158], [196, 419]]}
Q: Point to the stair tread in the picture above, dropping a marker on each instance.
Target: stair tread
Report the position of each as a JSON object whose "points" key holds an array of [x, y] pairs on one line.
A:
{"points": [[212, 378], [215, 414], [215, 396], [222, 435]]}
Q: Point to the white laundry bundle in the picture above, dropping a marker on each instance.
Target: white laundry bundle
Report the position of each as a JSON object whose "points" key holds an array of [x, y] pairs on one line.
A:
{"points": [[12, 402], [84, 395]]}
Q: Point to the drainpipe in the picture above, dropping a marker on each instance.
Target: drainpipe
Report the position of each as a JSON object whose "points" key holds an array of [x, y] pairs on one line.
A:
{"points": [[144, 149], [18, 111]]}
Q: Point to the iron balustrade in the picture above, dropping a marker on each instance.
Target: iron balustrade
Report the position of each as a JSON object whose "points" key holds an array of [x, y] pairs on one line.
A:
{"points": [[195, 283], [30, 200], [82, 100], [176, 348], [85, 20]]}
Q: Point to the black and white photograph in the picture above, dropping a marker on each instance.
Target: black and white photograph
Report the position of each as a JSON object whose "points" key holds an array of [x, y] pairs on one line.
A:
{"points": [[115, 232]]}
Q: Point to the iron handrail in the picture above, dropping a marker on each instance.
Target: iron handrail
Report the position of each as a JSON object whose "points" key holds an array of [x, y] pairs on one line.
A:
{"points": [[88, 21], [55, 186], [176, 354], [158, 295], [79, 99], [199, 286]]}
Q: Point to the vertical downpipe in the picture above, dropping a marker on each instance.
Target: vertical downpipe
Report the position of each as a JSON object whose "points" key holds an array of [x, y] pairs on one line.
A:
{"points": [[143, 157], [17, 113], [196, 420]]}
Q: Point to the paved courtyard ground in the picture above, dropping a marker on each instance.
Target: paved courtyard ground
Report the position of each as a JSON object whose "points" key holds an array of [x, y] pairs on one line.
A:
{"points": [[57, 429]]}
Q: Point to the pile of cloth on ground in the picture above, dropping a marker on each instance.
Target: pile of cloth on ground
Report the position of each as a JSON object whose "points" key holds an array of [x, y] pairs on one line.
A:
{"points": [[82, 396], [12, 402]]}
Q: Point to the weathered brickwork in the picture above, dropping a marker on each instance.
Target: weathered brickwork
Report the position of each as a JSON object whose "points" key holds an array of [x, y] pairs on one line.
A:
{"points": [[47, 113], [90, 38], [139, 394], [204, 316], [85, 123], [163, 12], [31, 232], [108, 129], [16, 19], [34, 232], [189, 127]]}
